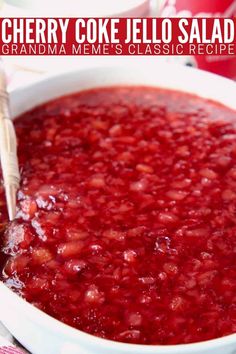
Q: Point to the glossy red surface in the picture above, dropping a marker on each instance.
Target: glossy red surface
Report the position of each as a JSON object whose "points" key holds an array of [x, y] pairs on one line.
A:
{"points": [[126, 226]]}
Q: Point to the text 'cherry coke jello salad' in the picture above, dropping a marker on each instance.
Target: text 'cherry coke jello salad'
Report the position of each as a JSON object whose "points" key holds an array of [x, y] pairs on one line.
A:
{"points": [[126, 222]]}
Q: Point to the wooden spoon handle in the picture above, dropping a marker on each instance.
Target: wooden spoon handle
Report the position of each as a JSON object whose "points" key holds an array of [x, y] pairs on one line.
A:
{"points": [[8, 148]]}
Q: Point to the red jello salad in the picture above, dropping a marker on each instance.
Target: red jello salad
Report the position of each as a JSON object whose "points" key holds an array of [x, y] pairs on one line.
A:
{"points": [[126, 222]]}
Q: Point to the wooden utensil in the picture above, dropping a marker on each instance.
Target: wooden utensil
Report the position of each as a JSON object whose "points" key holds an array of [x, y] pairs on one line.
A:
{"points": [[8, 150]]}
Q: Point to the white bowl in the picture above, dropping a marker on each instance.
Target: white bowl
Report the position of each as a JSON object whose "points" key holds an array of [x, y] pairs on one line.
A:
{"points": [[80, 8], [42, 334]]}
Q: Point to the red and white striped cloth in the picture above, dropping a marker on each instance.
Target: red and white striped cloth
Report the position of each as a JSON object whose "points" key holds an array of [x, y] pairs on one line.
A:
{"points": [[11, 350], [6, 347]]}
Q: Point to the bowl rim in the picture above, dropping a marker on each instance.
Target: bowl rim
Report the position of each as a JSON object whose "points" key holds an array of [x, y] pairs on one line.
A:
{"points": [[221, 89], [55, 325]]}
